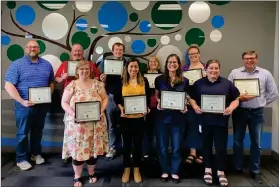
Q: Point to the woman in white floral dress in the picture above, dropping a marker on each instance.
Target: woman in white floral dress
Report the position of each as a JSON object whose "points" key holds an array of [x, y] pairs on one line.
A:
{"points": [[84, 141]]}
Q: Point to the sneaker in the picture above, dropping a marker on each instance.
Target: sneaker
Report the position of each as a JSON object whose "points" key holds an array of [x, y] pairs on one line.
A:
{"points": [[24, 165], [111, 154], [38, 159]]}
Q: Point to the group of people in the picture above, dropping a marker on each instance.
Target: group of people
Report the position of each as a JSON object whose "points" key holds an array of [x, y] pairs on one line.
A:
{"points": [[85, 141]]}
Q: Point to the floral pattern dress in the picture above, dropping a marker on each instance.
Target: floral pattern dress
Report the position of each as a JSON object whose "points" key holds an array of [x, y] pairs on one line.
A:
{"points": [[87, 139]]}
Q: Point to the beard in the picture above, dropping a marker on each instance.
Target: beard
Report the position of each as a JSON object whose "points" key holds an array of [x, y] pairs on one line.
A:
{"points": [[33, 55]]}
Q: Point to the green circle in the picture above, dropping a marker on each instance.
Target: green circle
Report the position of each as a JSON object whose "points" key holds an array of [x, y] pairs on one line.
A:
{"points": [[64, 57], [15, 52], [42, 46], [219, 2], [48, 5], [166, 14], [81, 38], [93, 30], [11, 4], [195, 36], [151, 42], [134, 17]]}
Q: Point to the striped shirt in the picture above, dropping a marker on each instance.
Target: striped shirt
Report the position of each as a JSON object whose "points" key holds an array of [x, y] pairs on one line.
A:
{"points": [[24, 74]]}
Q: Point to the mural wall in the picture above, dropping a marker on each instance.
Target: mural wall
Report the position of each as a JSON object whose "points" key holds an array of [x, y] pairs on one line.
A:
{"points": [[222, 29]]}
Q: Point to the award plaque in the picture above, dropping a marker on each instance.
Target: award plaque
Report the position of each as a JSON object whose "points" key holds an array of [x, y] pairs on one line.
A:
{"points": [[39, 95], [87, 111]]}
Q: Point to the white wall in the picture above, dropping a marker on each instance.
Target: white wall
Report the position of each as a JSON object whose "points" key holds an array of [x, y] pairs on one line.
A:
{"points": [[275, 116]]}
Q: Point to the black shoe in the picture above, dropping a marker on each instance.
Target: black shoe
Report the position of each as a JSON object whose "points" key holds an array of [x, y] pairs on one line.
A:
{"points": [[257, 177], [175, 180], [164, 179]]}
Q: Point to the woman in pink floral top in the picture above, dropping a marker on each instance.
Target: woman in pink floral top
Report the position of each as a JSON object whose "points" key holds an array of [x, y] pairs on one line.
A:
{"points": [[84, 141]]}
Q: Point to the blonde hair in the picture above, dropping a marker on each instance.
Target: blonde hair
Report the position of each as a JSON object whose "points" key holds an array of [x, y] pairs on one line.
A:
{"points": [[82, 63], [157, 60], [251, 52], [126, 76], [194, 46]]}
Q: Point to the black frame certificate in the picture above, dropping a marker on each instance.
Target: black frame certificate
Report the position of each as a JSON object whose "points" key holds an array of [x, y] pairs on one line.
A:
{"points": [[151, 78], [213, 103], [113, 67], [249, 86], [87, 111], [135, 104], [173, 100], [193, 75], [39, 95], [71, 68]]}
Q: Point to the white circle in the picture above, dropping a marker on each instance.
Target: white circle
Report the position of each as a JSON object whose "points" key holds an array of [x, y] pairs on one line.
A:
{"points": [[54, 60], [215, 35], [178, 37], [199, 12], [139, 5], [128, 38], [165, 51], [113, 40], [165, 40], [99, 50], [55, 26], [84, 6]]}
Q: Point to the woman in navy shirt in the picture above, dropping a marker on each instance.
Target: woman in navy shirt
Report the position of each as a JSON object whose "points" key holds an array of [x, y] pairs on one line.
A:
{"points": [[170, 123], [214, 125]]}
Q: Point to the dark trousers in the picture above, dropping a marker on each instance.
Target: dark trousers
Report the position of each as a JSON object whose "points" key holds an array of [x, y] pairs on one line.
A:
{"points": [[29, 119], [219, 136], [193, 136], [132, 134], [254, 120], [149, 131]]}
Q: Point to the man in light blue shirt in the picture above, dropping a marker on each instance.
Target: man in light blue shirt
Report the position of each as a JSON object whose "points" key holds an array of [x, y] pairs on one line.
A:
{"points": [[250, 112]]}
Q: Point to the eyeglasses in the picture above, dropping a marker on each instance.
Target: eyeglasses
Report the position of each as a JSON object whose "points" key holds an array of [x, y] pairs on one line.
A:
{"points": [[252, 58], [172, 62], [34, 47], [191, 54]]}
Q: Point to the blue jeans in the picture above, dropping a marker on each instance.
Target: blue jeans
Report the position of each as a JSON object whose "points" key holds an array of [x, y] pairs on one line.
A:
{"points": [[112, 114], [173, 131], [193, 137], [254, 119], [29, 119]]}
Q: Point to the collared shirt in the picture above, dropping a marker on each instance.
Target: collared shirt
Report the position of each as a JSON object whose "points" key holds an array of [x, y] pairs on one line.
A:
{"points": [[221, 86], [268, 88], [24, 74]]}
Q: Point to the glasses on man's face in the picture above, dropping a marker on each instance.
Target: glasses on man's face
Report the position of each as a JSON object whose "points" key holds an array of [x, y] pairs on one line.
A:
{"points": [[32, 47], [251, 58]]}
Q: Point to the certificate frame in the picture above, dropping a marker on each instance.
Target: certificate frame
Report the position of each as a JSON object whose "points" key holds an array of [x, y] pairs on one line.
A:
{"points": [[146, 75], [111, 73], [47, 88], [71, 74], [127, 98], [184, 100], [257, 80], [80, 120], [212, 110], [199, 70]]}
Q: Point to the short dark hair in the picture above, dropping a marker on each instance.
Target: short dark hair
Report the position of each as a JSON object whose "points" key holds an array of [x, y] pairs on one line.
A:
{"points": [[118, 44], [211, 61]]}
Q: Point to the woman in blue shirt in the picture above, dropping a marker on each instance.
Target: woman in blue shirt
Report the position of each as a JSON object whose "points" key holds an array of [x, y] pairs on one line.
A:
{"points": [[170, 123], [214, 125]]}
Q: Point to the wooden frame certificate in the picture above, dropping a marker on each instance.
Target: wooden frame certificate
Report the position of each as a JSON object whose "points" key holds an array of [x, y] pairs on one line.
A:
{"points": [[173, 100], [213, 103], [113, 67], [39, 95], [193, 75], [249, 86], [72, 65], [135, 104], [87, 111], [151, 78]]}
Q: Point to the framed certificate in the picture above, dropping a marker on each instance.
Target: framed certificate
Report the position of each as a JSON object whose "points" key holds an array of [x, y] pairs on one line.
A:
{"points": [[135, 104], [151, 78], [213, 103], [249, 86], [113, 67], [72, 68], [39, 95], [173, 100], [87, 111], [193, 75]]}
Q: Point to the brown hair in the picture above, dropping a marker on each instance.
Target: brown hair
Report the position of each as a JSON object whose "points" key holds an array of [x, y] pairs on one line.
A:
{"points": [[212, 61], [118, 44], [249, 53], [194, 46], [158, 61], [82, 63], [126, 75], [178, 74]]}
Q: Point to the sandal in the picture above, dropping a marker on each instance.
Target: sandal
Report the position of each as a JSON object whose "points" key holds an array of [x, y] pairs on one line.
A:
{"points": [[199, 160], [223, 181], [78, 180], [93, 178], [207, 177], [190, 159]]}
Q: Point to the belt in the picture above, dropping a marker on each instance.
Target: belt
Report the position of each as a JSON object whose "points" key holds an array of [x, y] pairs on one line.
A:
{"points": [[251, 109]]}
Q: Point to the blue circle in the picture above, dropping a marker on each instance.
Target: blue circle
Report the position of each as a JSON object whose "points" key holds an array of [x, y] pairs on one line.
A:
{"points": [[183, 1], [5, 40], [25, 15], [138, 46], [112, 16], [145, 26], [217, 21], [81, 24]]}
